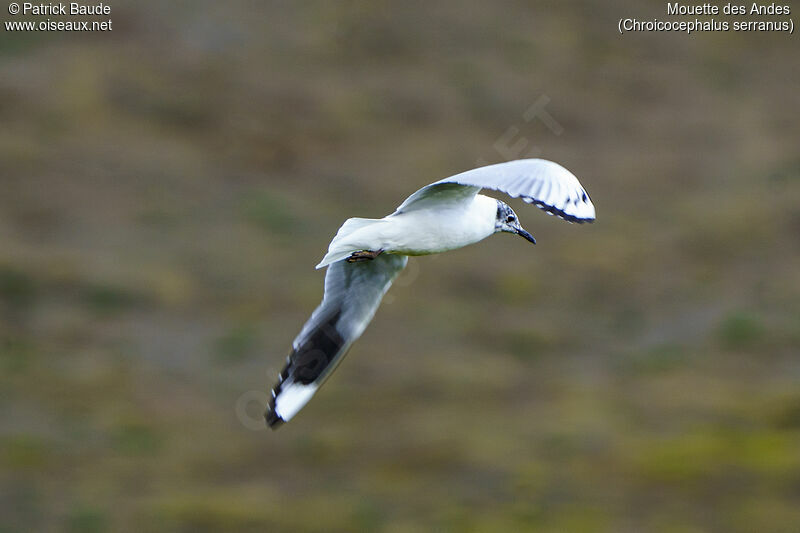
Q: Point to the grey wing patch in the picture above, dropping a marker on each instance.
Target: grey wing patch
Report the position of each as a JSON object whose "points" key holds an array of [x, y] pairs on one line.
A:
{"points": [[353, 292], [546, 184], [438, 194]]}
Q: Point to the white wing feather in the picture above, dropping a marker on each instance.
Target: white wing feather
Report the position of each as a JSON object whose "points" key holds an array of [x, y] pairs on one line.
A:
{"points": [[543, 183]]}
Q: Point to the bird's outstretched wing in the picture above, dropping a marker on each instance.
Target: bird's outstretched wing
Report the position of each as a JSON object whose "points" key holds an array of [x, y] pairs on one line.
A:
{"points": [[353, 292], [543, 183]]}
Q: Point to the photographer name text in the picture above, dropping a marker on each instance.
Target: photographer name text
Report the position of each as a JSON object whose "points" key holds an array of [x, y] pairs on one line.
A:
{"points": [[53, 10]]}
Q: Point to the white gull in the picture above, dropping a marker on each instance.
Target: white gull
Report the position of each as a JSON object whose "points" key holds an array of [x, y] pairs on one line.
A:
{"points": [[367, 254]]}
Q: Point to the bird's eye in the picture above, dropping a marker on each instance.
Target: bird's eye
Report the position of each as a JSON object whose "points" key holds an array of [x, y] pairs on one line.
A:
{"points": [[510, 219]]}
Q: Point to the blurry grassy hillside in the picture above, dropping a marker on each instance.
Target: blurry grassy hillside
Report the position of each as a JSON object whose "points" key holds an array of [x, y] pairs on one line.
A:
{"points": [[166, 189]]}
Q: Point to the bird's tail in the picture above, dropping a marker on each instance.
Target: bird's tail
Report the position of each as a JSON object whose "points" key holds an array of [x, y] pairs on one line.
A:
{"points": [[342, 244]]}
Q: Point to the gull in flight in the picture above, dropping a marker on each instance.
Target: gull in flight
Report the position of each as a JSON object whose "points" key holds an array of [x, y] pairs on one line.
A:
{"points": [[367, 254]]}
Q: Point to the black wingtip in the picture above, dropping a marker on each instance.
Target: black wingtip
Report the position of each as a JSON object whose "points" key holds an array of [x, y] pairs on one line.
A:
{"points": [[553, 210], [274, 421]]}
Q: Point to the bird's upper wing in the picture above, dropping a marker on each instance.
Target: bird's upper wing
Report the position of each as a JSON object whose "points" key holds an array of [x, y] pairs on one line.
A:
{"points": [[353, 292], [543, 183]]}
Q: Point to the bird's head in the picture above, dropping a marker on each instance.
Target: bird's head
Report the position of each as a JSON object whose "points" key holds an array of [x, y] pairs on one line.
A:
{"points": [[507, 221]]}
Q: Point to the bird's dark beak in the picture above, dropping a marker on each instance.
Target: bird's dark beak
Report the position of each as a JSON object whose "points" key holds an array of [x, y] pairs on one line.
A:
{"points": [[522, 233]]}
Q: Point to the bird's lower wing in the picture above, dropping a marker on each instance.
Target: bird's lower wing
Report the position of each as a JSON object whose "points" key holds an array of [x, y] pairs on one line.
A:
{"points": [[543, 183], [353, 292]]}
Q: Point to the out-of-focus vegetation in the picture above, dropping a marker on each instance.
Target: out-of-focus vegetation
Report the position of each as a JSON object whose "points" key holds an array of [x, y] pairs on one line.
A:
{"points": [[167, 188]]}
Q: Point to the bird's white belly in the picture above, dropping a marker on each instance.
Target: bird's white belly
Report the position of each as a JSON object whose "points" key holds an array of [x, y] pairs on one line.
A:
{"points": [[426, 232]]}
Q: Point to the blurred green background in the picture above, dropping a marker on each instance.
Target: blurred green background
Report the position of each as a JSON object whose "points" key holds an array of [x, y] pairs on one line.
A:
{"points": [[167, 188]]}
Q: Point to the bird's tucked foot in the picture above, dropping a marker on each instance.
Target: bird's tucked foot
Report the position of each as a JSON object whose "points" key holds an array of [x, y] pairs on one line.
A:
{"points": [[363, 255]]}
